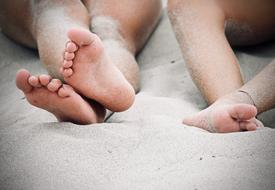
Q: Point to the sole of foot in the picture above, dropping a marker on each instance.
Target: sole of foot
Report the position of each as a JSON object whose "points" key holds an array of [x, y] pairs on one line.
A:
{"points": [[90, 71], [58, 99], [226, 118]]}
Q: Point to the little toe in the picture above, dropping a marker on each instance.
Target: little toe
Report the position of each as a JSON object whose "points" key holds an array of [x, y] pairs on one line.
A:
{"points": [[44, 79], [34, 81], [67, 72], [22, 78], [69, 56], [67, 64], [54, 85], [71, 47], [65, 91]]}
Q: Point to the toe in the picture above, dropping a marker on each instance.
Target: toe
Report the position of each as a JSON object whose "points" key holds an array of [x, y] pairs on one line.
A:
{"points": [[69, 56], [247, 126], [81, 37], [71, 47], [65, 91], [44, 79], [54, 85], [242, 111], [34, 81], [67, 72], [67, 64], [22, 83]]}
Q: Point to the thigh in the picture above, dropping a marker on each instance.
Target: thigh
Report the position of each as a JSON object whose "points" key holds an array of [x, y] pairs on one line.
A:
{"points": [[16, 21], [249, 22]]}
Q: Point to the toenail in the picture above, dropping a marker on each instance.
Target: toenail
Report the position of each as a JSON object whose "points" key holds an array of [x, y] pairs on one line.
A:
{"points": [[67, 64], [69, 55], [68, 72], [71, 46]]}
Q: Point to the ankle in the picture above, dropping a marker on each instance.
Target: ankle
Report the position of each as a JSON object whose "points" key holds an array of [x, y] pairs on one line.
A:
{"points": [[237, 97]]}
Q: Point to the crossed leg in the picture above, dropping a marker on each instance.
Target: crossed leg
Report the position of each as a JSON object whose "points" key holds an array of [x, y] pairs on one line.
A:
{"points": [[111, 51], [103, 70]]}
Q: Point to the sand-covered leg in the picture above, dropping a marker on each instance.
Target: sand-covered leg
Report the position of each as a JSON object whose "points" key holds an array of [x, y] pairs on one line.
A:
{"points": [[123, 33], [89, 70], [60, 100], [36, 28]]}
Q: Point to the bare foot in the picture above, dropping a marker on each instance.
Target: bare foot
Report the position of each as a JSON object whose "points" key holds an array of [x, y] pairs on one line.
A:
{"points": [[61, 100], [225, 117], [91, 72]]}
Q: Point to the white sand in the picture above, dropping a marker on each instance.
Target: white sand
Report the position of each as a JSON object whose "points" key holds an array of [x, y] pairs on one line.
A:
{"points": [[145, 147]]}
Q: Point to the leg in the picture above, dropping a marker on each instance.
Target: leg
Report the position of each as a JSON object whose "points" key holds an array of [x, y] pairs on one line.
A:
{"points": [[122, 32], [237, 111], [199, 26], [109, 55], [231, 112], [44, 25]]}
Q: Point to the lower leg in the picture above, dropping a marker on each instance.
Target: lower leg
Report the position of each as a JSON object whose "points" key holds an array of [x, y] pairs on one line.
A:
{"points": [[261, 89], [106, 59], [215, 70], [45, 25], [123, 32], [51, 21], [199, 28], [231, 110], [237, 110]]}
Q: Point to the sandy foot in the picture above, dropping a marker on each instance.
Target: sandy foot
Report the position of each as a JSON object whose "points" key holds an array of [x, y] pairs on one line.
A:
{"points": [[61, 100], [224, 118], [91, 72]]}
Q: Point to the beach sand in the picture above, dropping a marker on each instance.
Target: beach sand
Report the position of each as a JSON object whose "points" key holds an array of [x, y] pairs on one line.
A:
{"points": [[146, 147]]}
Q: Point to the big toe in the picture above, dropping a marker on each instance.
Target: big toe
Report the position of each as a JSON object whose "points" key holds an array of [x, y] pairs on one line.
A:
{"points": [[242, 111], [81, 37], [22, 77]]}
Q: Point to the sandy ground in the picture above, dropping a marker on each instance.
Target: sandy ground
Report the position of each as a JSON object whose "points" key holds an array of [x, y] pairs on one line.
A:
{"points": [[145, 147]]}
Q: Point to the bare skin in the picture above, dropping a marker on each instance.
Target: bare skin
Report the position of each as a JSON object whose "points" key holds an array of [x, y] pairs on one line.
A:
{"points": [[59, 99], [236, 111], [232, 113], [85, 57], [111, 74], [205, 30]]}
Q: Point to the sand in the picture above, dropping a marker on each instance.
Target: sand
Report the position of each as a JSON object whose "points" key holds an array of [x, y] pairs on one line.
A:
{"points": [[146, 147]]}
